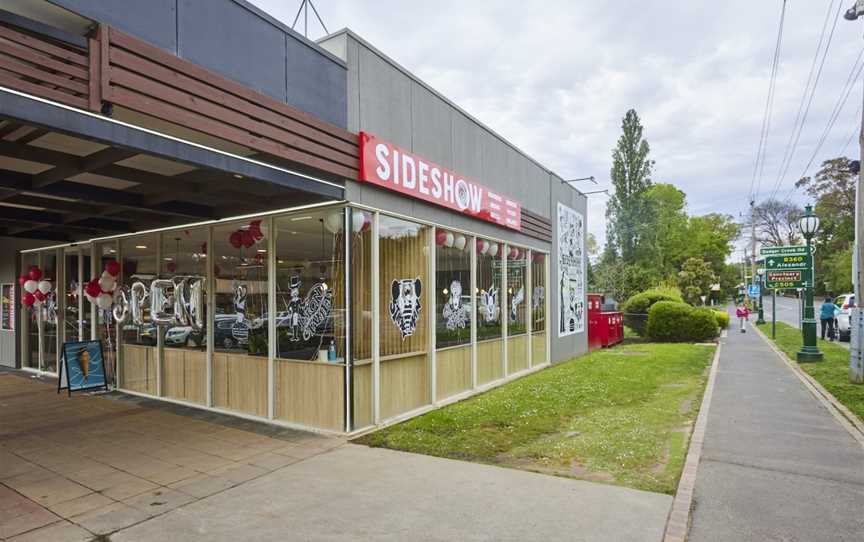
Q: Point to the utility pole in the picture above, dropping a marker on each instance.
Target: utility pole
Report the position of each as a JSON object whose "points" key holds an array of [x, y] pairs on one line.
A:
{"points": [[856, 347]]}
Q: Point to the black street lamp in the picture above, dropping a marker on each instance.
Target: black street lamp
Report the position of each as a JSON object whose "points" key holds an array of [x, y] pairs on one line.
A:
{"points": [[761, 274], [809, 225]]}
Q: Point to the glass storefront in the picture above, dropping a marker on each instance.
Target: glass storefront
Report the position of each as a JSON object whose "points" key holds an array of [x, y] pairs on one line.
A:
{"points": [[263, 317], [490, 342], [453, 314]]}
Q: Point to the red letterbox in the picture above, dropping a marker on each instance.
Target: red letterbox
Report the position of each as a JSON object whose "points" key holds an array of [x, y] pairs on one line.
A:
{"points": [[595, 322]]}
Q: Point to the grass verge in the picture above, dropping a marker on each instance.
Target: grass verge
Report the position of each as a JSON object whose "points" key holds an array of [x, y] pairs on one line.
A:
{"points": [[832, 373], [621, 416]]}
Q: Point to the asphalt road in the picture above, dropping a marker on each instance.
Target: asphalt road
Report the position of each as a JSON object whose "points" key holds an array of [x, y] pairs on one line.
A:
{"points": [[787, 312]]}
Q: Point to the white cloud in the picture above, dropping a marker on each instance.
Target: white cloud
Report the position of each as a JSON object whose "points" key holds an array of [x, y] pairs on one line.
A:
{"points": [[556, 77]]}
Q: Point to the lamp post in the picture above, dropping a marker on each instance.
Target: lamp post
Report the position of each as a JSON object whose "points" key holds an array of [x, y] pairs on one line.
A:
{"points": [[809, 225], [761, 274]]}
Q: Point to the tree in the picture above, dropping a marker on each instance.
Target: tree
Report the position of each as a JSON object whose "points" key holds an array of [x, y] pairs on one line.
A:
{"points": [[710, 238], [833, 188], [622, 280], [776, 222], [627, 210], [666, 238], [695, 279]]}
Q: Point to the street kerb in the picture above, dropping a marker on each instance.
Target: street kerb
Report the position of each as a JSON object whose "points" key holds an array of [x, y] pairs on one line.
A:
{"points": [[852, 423], [678, 522]]}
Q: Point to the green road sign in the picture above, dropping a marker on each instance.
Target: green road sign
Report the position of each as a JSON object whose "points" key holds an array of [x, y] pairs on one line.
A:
{"points": [[782, 280], [789, 250], [788, 262]]}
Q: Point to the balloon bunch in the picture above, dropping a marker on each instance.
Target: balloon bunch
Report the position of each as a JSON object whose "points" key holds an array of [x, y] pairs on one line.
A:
{"points": [[487, 248], [247, 236], [360, 221], [36, 289], [516, 253], [101, 291], [444, 238]]}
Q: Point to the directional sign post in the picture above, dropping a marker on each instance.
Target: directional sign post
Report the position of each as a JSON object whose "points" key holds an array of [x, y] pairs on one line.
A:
{"points": [[787, 267]]}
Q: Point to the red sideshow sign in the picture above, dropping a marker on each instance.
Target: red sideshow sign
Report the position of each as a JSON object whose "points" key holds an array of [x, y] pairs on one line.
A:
{"points": [[388, 166]]}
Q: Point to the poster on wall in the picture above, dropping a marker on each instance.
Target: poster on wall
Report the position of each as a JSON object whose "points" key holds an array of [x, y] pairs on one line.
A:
{"points": [[82, 367], [571, 271]]}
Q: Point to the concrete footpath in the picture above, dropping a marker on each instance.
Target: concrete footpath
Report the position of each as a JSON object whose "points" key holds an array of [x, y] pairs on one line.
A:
{"points": [[775, 465]]}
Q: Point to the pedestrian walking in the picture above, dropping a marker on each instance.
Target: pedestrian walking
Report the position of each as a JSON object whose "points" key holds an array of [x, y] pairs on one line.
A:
{"points": [[827, 312], [743, 314]]}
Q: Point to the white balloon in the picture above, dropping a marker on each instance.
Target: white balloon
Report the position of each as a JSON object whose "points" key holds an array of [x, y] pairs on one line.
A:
{"points": [[333, 222], [484, 247], [107, 283], [460, 242], [493, 249], [104, 301], [31, 286], [357, 221], [449, 240], [44, 286]]}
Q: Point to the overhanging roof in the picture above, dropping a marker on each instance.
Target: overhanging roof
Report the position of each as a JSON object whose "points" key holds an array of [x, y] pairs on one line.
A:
{"points": [[67, 175]]}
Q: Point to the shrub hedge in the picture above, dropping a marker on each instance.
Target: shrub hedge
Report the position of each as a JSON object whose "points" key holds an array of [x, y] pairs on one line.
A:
{"points": [[722, 319], [636, 308], [672, 321]]}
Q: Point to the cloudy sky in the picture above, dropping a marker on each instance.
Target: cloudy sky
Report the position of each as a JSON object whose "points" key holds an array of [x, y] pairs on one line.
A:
{"points": [[555, 78]]}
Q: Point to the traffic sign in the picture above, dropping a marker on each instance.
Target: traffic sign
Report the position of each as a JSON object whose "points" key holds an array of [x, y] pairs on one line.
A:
{"points": [[788, 262], [788, 250], [753, 290], [781, 280]]}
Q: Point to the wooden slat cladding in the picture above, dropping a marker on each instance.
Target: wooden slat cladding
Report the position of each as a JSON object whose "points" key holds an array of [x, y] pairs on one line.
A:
{"points": [[534, 225], [45, 68], [146, 79]]}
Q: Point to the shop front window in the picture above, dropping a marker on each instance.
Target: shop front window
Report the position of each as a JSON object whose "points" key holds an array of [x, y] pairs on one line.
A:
{"points": [[106, 327], [490, 345], [183, 262], [310, 319], [453, 312], [139, 335], [538, 308], [517, 340], [360, 276], [50, 309], [404, 341], [240, 331], [29, 323]]}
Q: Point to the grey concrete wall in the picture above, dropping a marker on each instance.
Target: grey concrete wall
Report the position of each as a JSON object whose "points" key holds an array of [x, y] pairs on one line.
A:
{"points": [[390, 102], [237, 40], [9, 271]]}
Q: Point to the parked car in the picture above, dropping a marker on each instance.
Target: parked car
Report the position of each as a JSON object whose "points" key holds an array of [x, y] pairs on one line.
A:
{"points": [[846, 302], [184, 336], [230, 331]]}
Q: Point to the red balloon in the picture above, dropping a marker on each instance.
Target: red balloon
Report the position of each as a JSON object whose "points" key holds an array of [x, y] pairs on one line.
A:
{"points": [[479, 246], [28, 299], [34, 273], [246, 238], [39, 295], [440, 237], [22, 279], [236, 239], [113, 268], [171, 267], [92, 289]]}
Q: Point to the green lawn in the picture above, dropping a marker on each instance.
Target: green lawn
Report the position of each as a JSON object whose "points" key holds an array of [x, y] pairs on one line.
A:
{"points": [[620, 415], [832, 373]]}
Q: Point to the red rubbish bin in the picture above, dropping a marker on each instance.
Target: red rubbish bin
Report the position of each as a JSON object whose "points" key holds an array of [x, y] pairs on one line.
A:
{"points": [[595, 322]]}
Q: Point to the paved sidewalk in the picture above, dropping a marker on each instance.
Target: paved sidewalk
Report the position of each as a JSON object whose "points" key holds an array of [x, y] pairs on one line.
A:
{"points": [[775, 464]]}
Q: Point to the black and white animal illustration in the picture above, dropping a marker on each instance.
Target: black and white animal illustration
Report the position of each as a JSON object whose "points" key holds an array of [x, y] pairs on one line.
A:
{"points": [[454, 312], [489, 304], [515, 301], [405, 305]]}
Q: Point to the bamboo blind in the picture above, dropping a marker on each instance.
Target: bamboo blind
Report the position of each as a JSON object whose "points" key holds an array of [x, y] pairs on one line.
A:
{"points": [[403, 258]]}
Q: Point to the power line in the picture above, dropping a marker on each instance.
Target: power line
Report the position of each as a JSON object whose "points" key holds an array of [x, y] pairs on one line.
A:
{"points": [[854, 76], [766, 117], [856, 129], [797, 126]]}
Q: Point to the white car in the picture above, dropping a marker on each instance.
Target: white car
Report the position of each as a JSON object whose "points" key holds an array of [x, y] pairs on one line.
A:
{"points": [[846, 302]]}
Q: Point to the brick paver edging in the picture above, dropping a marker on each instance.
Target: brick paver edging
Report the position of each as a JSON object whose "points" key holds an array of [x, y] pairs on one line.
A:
{"points": [[852, 423], [678, 521]]}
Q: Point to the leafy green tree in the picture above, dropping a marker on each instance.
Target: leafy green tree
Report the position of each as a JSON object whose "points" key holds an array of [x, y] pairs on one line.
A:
{"points": [[621, 280], [666, 239], [695, 279], [833, 188], [710, 237], [627, 210]]}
